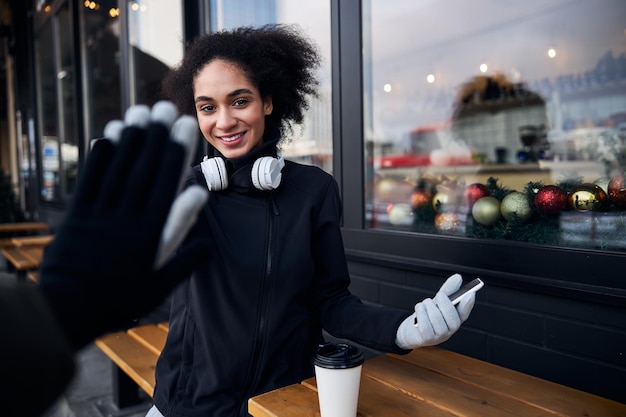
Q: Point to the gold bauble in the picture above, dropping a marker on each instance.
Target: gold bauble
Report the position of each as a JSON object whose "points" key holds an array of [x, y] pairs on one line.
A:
{"points": [[516, 203], [441, 200], [486, 211], [587, 197]]}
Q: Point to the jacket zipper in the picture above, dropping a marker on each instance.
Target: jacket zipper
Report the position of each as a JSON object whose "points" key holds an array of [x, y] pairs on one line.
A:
{"points": [[266, 287]]}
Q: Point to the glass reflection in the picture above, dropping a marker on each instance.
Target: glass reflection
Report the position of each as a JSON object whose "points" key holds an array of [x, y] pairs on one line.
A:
{"points": [[101, 68], [311, 143], [67, 108], [490, 99], [153, 50], [46, 82]]}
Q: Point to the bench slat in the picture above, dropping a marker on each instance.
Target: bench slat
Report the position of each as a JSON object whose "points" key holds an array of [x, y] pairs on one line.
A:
{"points": [[22, 260], [376, 399], [445, 393], [36, 240], [21, 227], [6, 242], [298, 400], [151, 336], [132, 356], [545, 395]]}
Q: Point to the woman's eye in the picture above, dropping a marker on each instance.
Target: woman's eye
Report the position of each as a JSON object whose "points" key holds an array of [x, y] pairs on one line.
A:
{"points": [[240, 102], [207, 107]]}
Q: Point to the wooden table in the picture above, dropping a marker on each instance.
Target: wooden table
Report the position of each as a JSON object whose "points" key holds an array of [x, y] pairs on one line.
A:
{"points": [[24, 259], [21, 227], [37, 240], [435, 382], [24, 253]]}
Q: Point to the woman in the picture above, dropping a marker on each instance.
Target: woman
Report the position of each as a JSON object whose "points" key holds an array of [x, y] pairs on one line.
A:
{"points": [[251, 317]]}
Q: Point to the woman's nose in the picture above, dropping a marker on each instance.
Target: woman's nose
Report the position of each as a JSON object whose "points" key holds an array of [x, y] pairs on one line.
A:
{"points": [[225, 120]]}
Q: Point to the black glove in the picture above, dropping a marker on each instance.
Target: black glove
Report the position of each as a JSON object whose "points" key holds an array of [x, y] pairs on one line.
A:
{"points": [[118, 252]]}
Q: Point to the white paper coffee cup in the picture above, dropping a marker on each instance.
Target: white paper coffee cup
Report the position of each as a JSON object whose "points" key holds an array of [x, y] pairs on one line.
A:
{"points": [[338, 375]]}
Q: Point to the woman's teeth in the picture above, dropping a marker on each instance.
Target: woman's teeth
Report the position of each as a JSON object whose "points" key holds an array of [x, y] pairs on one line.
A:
{"points": [[231, 138]]}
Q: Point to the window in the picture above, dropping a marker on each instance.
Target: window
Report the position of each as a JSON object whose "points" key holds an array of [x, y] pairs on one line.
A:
{"points": [[101, 67], [155, 32], [56, 112], [313, 142], [497, 120]]}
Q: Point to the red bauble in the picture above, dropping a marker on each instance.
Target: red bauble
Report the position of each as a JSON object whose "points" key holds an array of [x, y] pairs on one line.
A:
{"points": [[551, 199], [617, 191], [475, 191]]}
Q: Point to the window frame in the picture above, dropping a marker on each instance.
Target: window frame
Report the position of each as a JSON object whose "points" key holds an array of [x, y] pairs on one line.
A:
{"points": [[567, 272]]}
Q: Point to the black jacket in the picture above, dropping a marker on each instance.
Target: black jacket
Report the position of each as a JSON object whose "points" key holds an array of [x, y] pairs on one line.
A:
{"points": [[250, 319]]}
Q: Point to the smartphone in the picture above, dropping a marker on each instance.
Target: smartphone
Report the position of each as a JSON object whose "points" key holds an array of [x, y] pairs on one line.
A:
{"points": [[472, 286]]}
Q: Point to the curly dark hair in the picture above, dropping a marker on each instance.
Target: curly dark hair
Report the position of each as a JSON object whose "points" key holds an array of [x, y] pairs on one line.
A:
{"points": [[276, 58]]}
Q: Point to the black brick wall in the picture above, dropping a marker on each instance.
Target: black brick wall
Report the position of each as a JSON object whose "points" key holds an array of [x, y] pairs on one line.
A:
{"points": [[576, 343]]}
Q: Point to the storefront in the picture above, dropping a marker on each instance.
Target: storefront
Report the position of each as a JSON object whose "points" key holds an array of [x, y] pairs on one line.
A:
{"points": [[486, 138]]}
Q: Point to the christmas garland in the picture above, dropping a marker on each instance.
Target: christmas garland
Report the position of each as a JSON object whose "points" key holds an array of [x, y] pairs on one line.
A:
{"points": [[571, 213]]}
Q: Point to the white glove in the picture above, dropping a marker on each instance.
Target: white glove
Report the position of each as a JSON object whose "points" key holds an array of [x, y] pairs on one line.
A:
{"points": [[188, 204], [435, 320]]}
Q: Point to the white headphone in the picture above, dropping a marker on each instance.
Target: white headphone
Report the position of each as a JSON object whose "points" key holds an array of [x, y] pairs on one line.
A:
{"points": [[266, 172]]}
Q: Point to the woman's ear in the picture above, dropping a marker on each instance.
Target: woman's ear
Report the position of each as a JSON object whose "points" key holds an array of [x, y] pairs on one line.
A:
{"points": [[267, 105]]}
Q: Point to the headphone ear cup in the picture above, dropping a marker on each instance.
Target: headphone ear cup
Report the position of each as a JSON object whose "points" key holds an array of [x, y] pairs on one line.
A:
{"points": [[266, 173], [214, 170]]}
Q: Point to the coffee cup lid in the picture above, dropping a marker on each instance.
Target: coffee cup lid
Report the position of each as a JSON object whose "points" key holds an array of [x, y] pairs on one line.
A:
{"points": [[338, 356]]}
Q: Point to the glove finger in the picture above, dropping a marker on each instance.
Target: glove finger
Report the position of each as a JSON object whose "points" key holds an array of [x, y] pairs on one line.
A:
{"points": [[452, 284], [164, 112], [137, 115], [151, 174], [185, 131], [130, 146], [91, 178], [181, 218], [465, 306], [136, 119], [448, 311], [113, 130], [424, 326], [435, 317]]}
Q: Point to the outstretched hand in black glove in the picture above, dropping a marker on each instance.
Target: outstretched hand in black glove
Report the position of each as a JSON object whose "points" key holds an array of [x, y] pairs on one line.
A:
{"points": [[120, 249]]}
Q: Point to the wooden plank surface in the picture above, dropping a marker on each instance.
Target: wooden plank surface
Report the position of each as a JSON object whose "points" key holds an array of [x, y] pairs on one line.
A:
{"points": [[20, 259], [448, 395], [437, 382], [151, 336], [376, 399], [21, 227], [6, 242], [515, 385], [132, 357], [294, 400], [37, 240]]}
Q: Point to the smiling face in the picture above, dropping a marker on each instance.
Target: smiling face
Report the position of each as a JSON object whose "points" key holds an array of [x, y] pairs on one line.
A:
{"points": [[230, 110]]}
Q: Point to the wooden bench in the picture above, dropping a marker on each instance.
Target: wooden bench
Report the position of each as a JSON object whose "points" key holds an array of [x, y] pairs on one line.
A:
{"points": [[436, 382], [24, 259], [431, 380], [35, 240], [15, 238], [134, 354], [23, 227]]}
